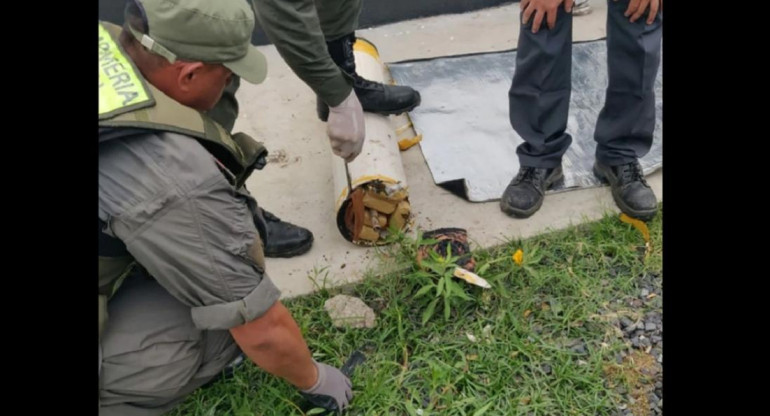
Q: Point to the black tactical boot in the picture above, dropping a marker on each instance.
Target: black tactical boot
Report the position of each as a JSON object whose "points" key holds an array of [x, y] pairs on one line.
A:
{"points": [[374, 97], [524, 195], [285, 239], [629, 189]]}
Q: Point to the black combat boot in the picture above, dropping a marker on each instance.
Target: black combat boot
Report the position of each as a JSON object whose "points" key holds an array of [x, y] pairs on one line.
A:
{"points": [[524, 195], [374, 97], [285, 239], [629, 189]]}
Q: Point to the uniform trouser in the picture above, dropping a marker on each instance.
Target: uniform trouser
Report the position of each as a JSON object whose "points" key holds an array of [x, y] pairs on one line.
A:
{"points": [[540, 92], [152, 356], [338, 18]]}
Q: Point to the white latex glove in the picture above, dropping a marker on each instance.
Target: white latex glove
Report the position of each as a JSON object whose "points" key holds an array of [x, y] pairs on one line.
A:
{"points": [[345, 128]]}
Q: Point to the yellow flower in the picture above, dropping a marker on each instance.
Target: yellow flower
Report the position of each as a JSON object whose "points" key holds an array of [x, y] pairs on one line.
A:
{"points": [[518, 257]]}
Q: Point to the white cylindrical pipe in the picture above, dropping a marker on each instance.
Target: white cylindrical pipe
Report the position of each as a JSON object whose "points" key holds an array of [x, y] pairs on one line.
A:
{"points": [[380, 160]]}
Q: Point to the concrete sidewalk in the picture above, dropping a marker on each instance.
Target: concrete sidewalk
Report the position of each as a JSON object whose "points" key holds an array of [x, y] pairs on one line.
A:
{"points": [[297, 183]]}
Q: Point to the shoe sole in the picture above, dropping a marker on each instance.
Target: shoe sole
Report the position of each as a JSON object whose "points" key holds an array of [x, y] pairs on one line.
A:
{"points": [[518, 213], [294, 252], [644, 215], [324, 115]]}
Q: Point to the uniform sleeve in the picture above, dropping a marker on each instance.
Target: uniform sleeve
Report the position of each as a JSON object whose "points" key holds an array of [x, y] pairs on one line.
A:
{"points": [[293, 27], [189, 228]]}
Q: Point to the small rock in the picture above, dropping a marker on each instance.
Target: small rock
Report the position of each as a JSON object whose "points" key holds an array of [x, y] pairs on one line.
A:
{"points": [[658, 384], [660, 358], [349, 311], [656, 338], [579, 349], [649, 326], [645, 292], [635, 342], [573, 342], [625, 322], [653, 316], [546, 368]]}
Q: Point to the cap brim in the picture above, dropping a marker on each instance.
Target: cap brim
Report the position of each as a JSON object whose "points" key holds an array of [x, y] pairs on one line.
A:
{"points": [[252, 67]]}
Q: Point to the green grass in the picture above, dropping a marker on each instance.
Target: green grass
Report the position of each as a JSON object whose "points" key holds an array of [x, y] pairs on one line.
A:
{"points": [[572, 286]]}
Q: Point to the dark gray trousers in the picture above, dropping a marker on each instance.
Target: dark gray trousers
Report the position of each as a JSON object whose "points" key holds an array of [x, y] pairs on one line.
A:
{"points": [[542, 83]]}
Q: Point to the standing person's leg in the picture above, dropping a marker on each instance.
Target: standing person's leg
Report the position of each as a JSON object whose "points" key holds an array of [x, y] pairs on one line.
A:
{"points": [[338, 18], [624, 130], [339, 21], [538, 109], [152, 354]]}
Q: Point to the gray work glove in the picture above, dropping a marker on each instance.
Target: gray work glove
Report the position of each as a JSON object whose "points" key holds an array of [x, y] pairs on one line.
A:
{"points": [[345, 128], [332, 391]]}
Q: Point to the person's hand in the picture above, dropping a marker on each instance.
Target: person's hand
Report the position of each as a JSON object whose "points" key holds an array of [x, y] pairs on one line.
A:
{"points": [[541, 9], [332, 391], [345, 128], [636, 9]]}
